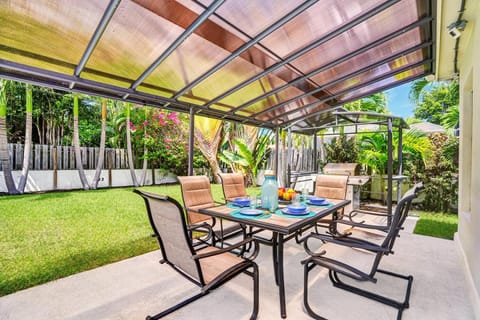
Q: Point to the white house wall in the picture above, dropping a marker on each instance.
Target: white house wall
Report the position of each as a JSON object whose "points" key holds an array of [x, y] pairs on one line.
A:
{"points": [[468, 236]]}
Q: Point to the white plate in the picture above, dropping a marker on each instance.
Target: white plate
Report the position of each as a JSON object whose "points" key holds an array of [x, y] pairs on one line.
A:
{"points": [[285, 210], [251, 212]]}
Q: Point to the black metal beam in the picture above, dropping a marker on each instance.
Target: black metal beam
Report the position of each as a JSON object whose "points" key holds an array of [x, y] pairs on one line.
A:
{"points": [[304, 118], [344, 78], [335, 62], [277, 24], [260, 45], [107, 16], [191, 142], [306, 49], [51, 79], [195, 24], [348, 90], [389, 172]]}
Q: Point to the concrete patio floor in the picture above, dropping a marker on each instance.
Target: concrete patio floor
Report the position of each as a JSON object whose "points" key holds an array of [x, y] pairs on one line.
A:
{"points": [[136, 287]]}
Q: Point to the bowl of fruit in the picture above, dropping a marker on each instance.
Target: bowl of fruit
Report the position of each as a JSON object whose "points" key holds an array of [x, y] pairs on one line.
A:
{"points": [[285, 194]]}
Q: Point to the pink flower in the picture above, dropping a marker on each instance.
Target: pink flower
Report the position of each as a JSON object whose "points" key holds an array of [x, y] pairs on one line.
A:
{"points": [[145, 122], [167, 140], [167, 147], [161, 122], [173, 117]]}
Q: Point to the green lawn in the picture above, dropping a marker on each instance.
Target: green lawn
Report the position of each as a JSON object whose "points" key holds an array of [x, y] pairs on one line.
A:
{"points": [[440, 225], [52, 235]]}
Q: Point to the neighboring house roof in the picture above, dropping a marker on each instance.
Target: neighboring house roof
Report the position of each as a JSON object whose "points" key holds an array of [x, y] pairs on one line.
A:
{"points": [[427, 127]]}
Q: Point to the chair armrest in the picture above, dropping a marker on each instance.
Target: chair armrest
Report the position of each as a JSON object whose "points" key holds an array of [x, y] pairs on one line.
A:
{"points": [[362, 225], [353, 213], [229, 248], [198, 227], [344, 241], [197, 211]]}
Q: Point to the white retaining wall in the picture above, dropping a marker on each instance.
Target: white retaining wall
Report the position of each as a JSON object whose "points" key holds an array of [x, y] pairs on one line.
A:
{"points": [[42, 180]]}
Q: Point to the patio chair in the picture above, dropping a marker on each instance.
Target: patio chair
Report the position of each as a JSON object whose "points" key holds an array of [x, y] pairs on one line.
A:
{"points": [[331, 187], [373, 229], [208, 267], [197, 194], [358, 259], [233, 185]]}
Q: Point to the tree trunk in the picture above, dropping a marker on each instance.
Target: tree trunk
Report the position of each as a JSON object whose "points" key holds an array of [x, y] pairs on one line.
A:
{"points": [[4, 158], [145, 152], [28, 140], [76, 144], [101, 152], [129, 149], [144, 168], [210, 149]]}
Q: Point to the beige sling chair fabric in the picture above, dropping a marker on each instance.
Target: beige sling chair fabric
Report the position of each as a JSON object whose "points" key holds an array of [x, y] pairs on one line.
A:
{"points": [[197, 194], [233, 185]]}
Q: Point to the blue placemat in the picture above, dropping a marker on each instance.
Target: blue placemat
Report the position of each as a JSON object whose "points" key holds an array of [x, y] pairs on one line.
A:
{"points": [[286, 215], [237, 214]]}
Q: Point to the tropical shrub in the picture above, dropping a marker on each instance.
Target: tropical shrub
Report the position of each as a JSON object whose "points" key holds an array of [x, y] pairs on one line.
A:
{"points": [[249, 161], [342, 150], [440, 175]]}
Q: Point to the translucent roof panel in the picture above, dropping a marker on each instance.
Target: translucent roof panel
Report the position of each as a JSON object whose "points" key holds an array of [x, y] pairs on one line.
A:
{"points": [[261, 62], [134, 38], [254, 16], [50, 35], [320, 20], [369, 31], [378, 72], [409, 40]]}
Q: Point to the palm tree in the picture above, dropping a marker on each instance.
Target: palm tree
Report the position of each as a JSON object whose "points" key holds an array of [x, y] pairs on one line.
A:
{"points": [[28, 140], [417, 90], [451, 118], [76, 144], [4, 157], [208, 133], [375, 103], [374, 147], [374, 150], [101, 154]]}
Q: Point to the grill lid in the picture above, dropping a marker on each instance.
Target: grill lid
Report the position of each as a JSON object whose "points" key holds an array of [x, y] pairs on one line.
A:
{"points": [[348, 169]]}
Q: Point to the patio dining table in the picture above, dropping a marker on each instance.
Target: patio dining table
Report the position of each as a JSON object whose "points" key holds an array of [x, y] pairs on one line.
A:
{"points": [[283, 227]]}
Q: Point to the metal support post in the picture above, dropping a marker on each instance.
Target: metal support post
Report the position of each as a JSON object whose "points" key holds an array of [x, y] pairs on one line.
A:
{"points": [[191, 136]]}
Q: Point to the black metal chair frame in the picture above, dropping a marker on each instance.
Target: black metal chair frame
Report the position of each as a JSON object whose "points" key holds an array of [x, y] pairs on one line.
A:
{"points": [[222, 278], [337, 267]]}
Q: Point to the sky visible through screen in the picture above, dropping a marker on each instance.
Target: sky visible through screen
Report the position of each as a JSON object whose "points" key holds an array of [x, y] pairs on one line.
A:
{"points": [[398, 102]]}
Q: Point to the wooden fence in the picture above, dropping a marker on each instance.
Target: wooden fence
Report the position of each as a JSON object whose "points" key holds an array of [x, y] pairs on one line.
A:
{"points": [[302, 159], [46, 157]]}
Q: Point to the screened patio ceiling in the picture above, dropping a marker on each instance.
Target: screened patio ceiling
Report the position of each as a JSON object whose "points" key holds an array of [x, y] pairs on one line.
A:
{"points": [[267, 63]]}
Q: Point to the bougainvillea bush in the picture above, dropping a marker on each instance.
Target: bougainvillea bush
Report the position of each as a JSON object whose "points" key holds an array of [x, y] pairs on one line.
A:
{"points": [[161, 136]]}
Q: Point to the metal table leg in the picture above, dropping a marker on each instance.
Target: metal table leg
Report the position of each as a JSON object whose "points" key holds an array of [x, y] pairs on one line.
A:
{"points": [[275, 255], [281, 280]]}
